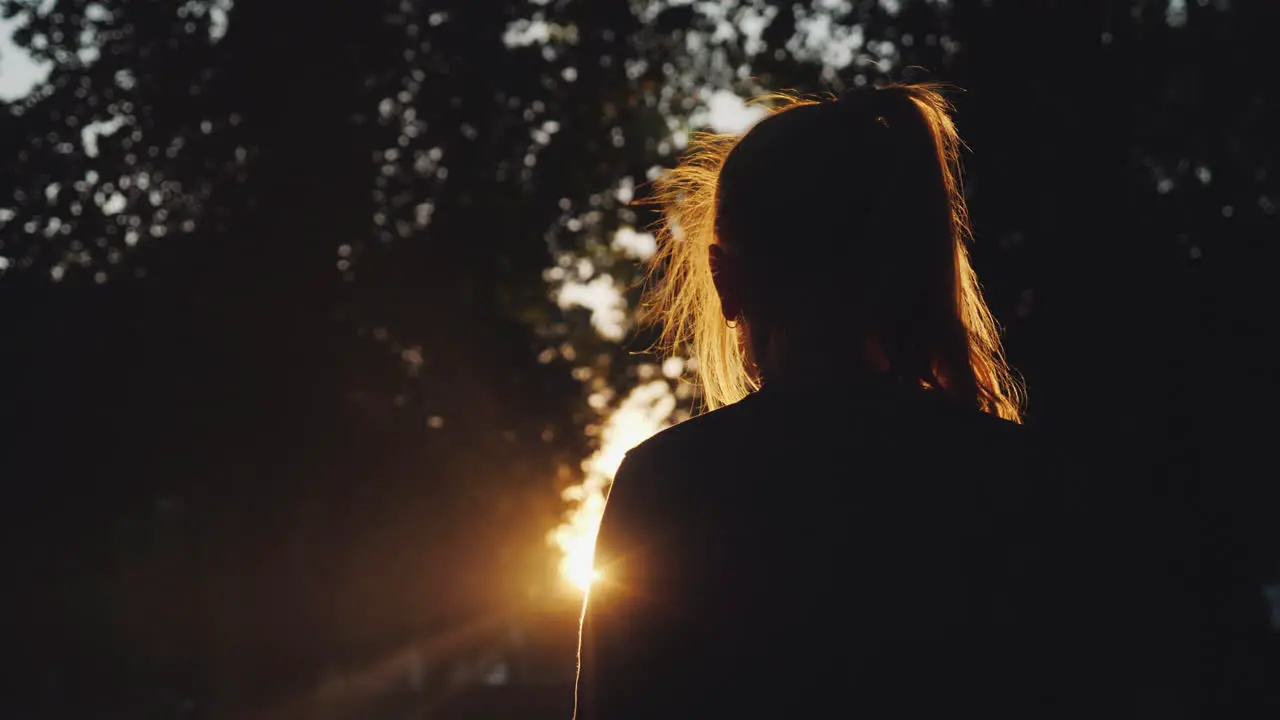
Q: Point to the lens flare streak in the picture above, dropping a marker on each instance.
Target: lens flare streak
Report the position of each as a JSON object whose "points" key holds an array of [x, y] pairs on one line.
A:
{"points": [[646, 410]]}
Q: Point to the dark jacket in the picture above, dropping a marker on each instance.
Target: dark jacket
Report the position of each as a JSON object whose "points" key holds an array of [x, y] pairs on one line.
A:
{"points": [[865, 551]]}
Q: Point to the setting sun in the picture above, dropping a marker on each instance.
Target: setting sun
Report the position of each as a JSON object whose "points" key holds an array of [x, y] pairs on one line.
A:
{"points": [[580, 574], [645, 411]]}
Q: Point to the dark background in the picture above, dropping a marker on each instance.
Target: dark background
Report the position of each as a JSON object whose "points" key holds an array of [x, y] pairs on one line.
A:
{"points": [[288, 401]]}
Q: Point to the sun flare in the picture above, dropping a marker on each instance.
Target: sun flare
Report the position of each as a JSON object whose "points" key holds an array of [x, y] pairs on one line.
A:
{"points": [[646, 410]]}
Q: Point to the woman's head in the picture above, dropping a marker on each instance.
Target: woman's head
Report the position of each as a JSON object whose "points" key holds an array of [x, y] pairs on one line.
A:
{"points": [[831, 237]]}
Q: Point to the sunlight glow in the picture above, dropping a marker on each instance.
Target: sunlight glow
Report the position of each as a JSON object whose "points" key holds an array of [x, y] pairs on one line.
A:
{"points": [[19, 72], [603, 298], [637, 245], [646, 410], [728, 113]]}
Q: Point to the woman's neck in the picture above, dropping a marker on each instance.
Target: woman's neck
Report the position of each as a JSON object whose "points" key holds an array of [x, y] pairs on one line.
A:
{"points": [[832, 364]]}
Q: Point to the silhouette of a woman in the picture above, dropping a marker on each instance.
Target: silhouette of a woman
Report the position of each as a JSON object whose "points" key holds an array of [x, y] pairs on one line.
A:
{"points": [[852, 532]]}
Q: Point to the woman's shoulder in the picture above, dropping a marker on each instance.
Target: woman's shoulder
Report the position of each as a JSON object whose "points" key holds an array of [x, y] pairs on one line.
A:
{"points": [[653, 489], [685, 461], [699, 431], [764, 418]]}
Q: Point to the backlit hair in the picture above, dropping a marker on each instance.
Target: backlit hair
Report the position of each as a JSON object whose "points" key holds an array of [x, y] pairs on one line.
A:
{"points": [[849, 216]]}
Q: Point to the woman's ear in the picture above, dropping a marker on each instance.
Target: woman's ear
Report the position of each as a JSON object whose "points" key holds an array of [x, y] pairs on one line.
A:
{"points": [[726, 273]]}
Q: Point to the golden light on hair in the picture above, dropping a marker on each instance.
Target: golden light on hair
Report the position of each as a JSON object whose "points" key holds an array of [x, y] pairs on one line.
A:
{"points": [[681, 298], [998, 391]]}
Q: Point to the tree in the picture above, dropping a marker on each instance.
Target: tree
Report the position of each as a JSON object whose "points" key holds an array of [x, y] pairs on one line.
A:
{"points": [[331, 383]]}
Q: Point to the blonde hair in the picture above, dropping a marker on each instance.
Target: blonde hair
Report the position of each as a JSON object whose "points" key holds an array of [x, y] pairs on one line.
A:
{"points": [[680, 296]]}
